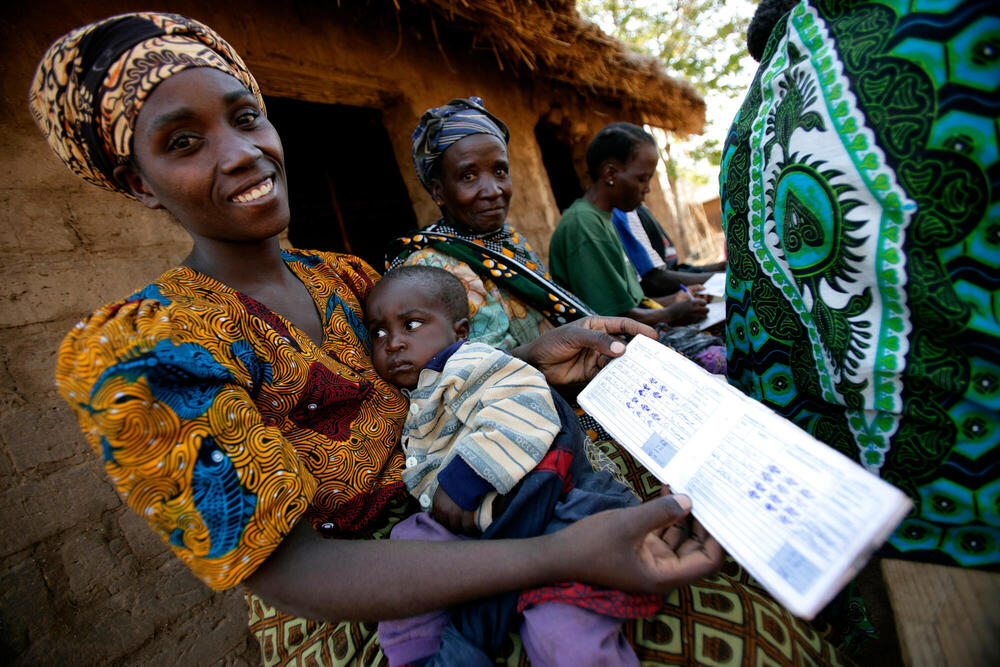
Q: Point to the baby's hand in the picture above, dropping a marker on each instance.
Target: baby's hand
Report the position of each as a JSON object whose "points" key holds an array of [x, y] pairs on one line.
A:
{"points": [[450, 515]]}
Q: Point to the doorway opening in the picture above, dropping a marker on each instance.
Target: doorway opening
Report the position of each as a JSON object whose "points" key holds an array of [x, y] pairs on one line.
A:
{"points": [[557, 156], [345, 189]]}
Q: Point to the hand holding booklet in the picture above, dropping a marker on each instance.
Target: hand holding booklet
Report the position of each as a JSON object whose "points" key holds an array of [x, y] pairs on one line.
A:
{"points": [[800, 517]]}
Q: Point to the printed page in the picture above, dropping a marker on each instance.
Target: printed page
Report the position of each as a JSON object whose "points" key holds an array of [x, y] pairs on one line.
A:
{"points": [[797, 515], [716, 285], [716, 314]]}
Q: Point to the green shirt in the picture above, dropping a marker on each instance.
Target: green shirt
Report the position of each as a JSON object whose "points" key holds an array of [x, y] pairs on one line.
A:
{"points": [[586, 257]]}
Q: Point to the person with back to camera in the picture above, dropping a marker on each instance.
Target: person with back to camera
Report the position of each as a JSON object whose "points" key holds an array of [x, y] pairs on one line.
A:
{"points": [[588, 258], [479, 425], [860, 197]]}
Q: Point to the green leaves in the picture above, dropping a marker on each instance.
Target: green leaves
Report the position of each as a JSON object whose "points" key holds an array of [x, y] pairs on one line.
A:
{"points": [[698, 40]]}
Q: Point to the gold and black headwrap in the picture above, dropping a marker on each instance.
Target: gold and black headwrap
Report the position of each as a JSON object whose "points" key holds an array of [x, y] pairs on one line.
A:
{"points": [[92, 82]]}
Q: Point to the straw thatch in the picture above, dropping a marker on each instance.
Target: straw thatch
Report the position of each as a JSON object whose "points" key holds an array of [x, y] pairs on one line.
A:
{"points": [[549, 39]]}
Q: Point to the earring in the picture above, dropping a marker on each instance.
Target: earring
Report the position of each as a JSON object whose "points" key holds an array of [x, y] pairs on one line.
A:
{"points": [[611, 183]]}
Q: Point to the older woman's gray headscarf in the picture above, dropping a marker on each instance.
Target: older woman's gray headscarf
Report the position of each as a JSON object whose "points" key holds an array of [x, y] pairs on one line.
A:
{"points": [[440, 127]]}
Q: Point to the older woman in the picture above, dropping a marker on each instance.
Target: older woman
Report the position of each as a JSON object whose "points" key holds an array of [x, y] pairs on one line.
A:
{"points": [[460, 154], [233, 400]]}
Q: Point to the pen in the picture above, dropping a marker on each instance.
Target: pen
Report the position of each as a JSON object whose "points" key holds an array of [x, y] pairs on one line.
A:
{"points": [[685, 290]]}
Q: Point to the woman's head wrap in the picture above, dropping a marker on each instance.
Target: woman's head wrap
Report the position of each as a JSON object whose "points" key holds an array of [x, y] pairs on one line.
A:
{"points": [[92, 82], [439, 128]]}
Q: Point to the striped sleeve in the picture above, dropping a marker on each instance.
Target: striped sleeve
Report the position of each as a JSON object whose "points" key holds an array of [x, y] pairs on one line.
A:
{"points": [[507, 409]]}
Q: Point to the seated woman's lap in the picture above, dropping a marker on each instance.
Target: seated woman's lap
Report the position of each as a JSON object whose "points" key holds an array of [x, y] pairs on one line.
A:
{"points": [[725, 619]]}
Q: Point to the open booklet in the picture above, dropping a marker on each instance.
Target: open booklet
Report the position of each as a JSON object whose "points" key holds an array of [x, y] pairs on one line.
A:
{"points": [[716, 285], [799, 516]]}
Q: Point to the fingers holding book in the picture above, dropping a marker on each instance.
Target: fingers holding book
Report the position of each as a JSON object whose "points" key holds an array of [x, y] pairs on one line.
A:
{"points": [[636, 550]]}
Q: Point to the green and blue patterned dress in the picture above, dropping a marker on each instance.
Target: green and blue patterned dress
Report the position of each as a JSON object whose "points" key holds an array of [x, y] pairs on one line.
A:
{"points": [[861, 201]]}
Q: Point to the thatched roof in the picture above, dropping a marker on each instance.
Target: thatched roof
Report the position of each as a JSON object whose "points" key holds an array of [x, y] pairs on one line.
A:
{"points": [[549, 39]]}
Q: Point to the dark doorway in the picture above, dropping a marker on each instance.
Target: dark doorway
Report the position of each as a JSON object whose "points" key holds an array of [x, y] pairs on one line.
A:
{"points": [[557, 156], [345, 189]]}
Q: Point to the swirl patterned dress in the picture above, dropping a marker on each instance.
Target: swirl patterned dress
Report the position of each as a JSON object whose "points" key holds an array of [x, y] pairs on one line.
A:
{"points": [[222, 424], [861, 201]]}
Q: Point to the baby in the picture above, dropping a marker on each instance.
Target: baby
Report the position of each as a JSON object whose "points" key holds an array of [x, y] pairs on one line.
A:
{"points": [[492, 450]]}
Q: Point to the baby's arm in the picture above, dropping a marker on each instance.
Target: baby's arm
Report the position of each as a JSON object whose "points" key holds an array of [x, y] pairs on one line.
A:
{"points": [[460, 491]]}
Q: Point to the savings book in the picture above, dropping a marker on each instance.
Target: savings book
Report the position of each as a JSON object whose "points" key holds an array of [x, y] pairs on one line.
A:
{"points": [[802, 518]]}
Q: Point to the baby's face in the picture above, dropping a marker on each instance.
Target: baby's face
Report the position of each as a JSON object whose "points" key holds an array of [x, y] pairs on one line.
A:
{"points": [[407, 328]]}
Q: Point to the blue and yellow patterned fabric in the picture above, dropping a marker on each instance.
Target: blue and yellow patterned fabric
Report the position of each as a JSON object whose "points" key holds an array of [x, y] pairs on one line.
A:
{"points": [[222, 424], [861, 201]]}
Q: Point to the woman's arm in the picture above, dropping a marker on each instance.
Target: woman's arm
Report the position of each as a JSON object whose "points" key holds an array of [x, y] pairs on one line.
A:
{"points": [[659, 282], [716, 267], [627, 549], [678, 312]]}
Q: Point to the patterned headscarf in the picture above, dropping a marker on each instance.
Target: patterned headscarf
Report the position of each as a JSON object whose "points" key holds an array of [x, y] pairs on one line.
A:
{"points": [[92, 82], [440, 127]]}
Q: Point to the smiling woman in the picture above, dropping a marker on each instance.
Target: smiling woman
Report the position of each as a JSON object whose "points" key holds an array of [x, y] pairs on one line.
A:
{"points": [[210, 157], [233, 401]]}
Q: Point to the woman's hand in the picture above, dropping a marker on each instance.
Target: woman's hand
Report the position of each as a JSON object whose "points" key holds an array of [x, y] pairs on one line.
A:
{"points": [[643, 549], [575, 352], [679, 295], [685, 311], [651, 548]]}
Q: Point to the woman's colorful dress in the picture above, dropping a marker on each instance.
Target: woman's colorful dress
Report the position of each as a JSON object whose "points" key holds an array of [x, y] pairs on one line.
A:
{"points": [[222, 424], [861, 201]]}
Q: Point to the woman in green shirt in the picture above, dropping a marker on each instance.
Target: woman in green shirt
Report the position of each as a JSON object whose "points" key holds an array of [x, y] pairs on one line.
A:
{"points": [[588, 258]]}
